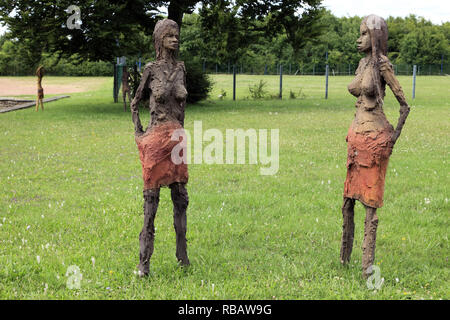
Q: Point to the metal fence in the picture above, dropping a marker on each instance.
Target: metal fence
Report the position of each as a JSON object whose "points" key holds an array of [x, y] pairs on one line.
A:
{"points": [[105, 69], [317, 69]]}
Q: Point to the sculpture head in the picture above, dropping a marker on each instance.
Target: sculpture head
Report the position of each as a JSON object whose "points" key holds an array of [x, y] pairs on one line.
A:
{"points": [[373, 36], [40, 71], [166, 38]]}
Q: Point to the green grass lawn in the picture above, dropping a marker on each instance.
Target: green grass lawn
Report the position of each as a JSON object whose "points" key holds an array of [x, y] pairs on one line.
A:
{"points": [[71, 194]]}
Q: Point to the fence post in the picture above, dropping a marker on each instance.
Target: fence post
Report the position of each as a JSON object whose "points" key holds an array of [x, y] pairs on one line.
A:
{"points": [[281, 81], [115, 84], [326, 81], [204, 66], [414, 81], [442, 64], [234, 82]]}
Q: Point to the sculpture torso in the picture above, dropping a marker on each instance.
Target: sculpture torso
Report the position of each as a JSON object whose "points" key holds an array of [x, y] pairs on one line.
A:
{"points": [[40, 91], [168, 93], [369, 114]]}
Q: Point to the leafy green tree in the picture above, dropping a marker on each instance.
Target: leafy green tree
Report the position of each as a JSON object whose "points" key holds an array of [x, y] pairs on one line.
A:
{"points": [[231, 27]]}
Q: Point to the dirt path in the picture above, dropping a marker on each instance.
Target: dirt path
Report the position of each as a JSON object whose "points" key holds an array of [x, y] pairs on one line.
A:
{"points": [[14, 86]]}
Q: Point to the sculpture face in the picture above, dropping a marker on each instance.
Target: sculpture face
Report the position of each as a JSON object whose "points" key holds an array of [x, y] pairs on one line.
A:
{"points": [[363, 42], [170, 40]]}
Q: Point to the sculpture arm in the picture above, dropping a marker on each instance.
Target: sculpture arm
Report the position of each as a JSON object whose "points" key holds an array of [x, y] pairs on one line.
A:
{"points": [[139, 96], [388, 74], [185, 87]]}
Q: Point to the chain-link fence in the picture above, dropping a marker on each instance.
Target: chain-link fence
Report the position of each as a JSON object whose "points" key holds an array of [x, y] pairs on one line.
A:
{"points": [[317, 69], [100, 68]]}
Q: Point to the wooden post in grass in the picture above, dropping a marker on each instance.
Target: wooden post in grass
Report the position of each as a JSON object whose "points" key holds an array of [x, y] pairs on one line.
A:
{"points": [[281, 81], [234, 82], [115, 93], [326, 81], [414, 81]]}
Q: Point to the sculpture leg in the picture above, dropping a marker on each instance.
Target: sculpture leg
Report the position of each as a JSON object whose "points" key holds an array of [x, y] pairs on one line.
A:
{"points": [[147, 235], [370, 233], [37, 104], [180, 201], [348, 229], [42, 104]]}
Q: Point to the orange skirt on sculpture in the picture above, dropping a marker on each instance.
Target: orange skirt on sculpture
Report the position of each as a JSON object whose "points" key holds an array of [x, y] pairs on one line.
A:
{"points": [[155, 152], [367, 161]]}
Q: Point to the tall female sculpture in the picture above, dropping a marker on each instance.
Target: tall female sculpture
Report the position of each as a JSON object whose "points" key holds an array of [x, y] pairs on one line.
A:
{"points": [[164, 81], [40, 71], [125, 87], [370, 137]]}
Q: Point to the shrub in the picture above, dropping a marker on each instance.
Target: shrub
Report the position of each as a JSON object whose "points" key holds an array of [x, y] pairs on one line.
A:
{"points": [[257, 91], [222, 94], [293, 95], [198, 84]]}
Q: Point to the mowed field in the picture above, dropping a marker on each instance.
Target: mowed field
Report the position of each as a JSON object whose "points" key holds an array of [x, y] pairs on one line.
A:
{"points": [[71, 199]]}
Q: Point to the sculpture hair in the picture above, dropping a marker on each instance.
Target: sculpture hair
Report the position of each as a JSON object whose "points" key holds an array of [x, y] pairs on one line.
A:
{"points": [[161, 28], [40, 71], [378, 32]]}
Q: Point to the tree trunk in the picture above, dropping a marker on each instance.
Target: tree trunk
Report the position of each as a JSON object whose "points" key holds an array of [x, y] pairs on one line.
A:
{"points": [[176, 10]]}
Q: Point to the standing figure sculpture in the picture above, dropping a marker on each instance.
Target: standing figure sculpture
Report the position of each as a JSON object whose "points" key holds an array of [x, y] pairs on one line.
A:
{"points": [[125, 87], [40, 91], [164, 81], [370, 138]]}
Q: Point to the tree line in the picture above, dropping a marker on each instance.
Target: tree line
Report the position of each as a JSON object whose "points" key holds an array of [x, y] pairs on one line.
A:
{"points": [[412, 40], [253, 34]]}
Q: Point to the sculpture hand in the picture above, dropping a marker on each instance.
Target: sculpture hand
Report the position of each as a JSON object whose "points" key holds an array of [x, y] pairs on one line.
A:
{"points": [[404, 111], [395, 136], [138, 131]]}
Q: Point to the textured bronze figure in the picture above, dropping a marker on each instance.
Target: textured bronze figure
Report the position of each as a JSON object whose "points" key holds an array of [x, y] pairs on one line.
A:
{"points": [[164, 81], [40, 91], [125, 87], [370, 137]]}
